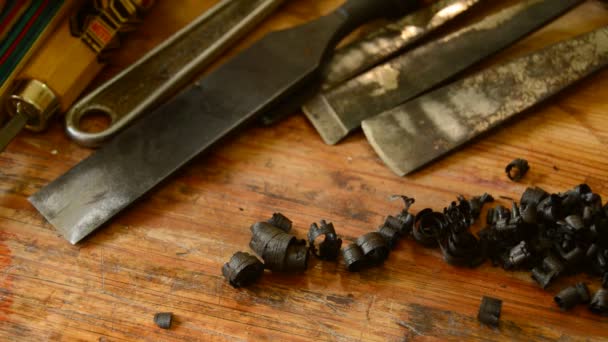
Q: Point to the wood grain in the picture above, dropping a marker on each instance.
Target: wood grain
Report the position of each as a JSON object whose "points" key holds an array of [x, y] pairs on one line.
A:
{"points": [[165, 253]]}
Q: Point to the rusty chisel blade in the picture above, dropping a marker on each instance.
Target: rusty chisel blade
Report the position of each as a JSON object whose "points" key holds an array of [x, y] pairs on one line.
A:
{"points": [[340, 110], [232, 95], [417, 132]]}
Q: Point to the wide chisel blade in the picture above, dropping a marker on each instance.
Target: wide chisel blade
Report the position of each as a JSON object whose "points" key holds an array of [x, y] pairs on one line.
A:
{"points": [[340, 110], [152, 149], [417, 132]]}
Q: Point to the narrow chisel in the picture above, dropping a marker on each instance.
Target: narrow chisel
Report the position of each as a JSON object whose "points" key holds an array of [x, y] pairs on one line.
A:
{"points": [[146, 153], [340, 110], [422, 130]]}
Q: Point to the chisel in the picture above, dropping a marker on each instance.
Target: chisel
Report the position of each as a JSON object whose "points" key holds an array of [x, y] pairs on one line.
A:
{"points": [[338, 111], [420, 131], [237, 92]]}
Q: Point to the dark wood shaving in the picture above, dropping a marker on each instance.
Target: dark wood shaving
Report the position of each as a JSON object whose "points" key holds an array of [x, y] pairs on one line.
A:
{"points": [[517, 169], [280, 221], [374, 247], [329, 248], [571, 296], [280, 251], [354, 258], [489, 311], [599, 303], [163, 320], [242, 270]]}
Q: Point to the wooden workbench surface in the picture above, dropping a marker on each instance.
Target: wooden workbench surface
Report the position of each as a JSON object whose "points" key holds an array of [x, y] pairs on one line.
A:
{"points": [[165, 253]]}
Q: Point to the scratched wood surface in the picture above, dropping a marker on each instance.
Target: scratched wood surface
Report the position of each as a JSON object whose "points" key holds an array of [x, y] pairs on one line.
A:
{"points": [[165, 252]]}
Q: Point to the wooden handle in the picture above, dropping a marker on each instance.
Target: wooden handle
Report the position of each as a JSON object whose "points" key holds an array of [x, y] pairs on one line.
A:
{"points": [[65, 64]]}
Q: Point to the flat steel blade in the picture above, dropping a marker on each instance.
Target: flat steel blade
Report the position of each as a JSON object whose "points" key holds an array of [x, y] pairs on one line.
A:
{"points": [[422, 130], [340, 110], [152, 149]]}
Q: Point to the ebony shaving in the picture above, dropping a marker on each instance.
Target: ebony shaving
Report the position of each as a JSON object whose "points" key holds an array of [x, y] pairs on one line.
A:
{"points": [[243, 269], [280, 221], [599, 302], [354, 259], [163, 319], [571, 296], [373, 248], [489, 311], [550, 235], [329, 248], [550, 268], [517, 169], [450, 230], [281, 251]]}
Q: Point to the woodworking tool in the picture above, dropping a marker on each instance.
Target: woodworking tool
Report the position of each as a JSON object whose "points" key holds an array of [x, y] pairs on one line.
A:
{"points": [[340, 110], [62, 68], [150, 150], [422, 130], [166, 69]]}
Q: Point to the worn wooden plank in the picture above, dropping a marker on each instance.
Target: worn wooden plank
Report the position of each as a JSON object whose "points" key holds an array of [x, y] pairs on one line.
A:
{"points": [[165, 253]]}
